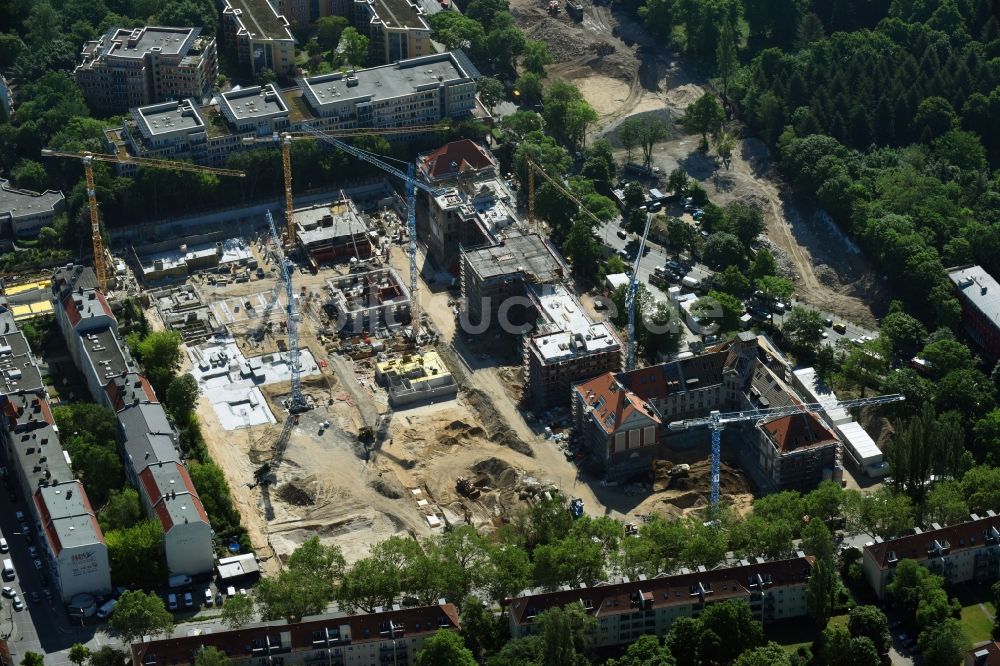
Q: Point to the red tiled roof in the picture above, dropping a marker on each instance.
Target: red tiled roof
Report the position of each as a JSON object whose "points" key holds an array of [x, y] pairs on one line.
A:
{"points": [[971, 534], [612, 403], [71, 310], [36, 403], [992, 655], [456, 158], [723, 583], [798, 431], [240, 644], [158, 497]]}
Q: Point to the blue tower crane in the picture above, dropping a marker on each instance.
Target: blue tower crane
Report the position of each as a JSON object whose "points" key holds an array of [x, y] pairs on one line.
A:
{"points": [[298, 402]]}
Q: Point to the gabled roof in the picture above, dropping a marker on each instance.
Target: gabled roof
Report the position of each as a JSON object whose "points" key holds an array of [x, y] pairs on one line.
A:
{"points": [[456, 159], [130, 389], [171, 493], [665, 591], [309, 635], [975, 533], [612, 405], [27, 410], [798, 431]]}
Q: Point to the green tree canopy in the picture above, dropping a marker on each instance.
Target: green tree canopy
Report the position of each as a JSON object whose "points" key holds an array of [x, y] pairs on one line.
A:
{"points": [[138, 614], [444, 647]]}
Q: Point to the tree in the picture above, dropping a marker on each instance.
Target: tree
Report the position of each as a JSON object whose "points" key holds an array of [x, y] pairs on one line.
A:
{"points": [[138, 614], [238, 611], [646, 651], [210, 655], [565, 634], [30, 175], [677, 182], [882, 513], [503, 45], [723, 249], [703, 116], [634, 197], [354, 46], [836, 647], [871, 623], [734, 620], [136, 553], [329, 30], [506, 572], [771, 654], [775, 288], [182, 395], [744, 221], [530, 86], [79, 654], [804, 329], [942, 644], [567, 114], [629, 131], [934, 118], [444, 648], [123, 510], [726, 60], [160, 353], [763, 264], [491, 92], [821, 591], [582, 248], [945, 503], [652, 131], [717, 307], [905, 333], [108, 656], [968, 392], [536, 56], [306, 586], [32, 659], [484, 633]]}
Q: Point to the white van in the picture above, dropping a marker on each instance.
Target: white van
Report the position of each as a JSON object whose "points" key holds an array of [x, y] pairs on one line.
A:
{"points": [[3, 545], [8, 570], [107, 609]]}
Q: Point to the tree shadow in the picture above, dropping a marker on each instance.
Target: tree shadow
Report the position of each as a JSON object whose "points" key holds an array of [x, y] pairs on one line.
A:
{"points": [[699, 165]]}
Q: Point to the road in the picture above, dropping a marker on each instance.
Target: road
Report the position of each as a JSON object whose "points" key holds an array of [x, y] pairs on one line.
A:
{"points": [[44, 627]]}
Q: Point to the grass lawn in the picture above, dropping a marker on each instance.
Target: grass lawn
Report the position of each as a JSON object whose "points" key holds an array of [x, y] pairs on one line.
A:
{"points": [[976, 624], [793, 634]]}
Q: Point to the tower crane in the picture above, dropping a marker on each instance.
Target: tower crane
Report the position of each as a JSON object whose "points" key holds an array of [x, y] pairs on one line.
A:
{"points": [[298, 401], [409, 177], [716, 421], [88, 159], [284, 141], [633, 287]]}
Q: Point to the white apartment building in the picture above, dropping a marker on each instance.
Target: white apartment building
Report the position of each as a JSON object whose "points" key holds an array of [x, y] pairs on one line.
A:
{"points": [[627, 610], [967, 552]]}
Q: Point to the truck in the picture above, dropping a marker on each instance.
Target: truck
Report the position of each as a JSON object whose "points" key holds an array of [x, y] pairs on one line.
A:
{"points": [[178, 580], [576, 508]]}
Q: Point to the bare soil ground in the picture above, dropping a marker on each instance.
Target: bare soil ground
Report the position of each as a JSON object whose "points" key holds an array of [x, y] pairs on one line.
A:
{"points": [[623, 72]]}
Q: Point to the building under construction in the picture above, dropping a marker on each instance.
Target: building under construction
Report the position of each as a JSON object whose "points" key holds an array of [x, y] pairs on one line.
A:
{"points": [[416, 379], [330, 233], [368, 301], [493, 274]]}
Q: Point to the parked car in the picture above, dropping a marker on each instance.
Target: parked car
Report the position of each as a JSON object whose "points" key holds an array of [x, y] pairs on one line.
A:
{"points": [[32, 552], [188, 600], [18, 604], [172, 601], [622, 234], [38, 565], [208, 596], [9, 592], [3, 545]]}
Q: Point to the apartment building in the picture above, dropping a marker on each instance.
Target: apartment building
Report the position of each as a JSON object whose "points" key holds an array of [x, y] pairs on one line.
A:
{"points": [[145, 436], [979, 294], [473, 205], [391, 636], [415, 92], [966, 552], [496, 276], [396, 29], [71, 544], [565, 346], [23, 212], [627, 610], [127, 68], [258, 37]]}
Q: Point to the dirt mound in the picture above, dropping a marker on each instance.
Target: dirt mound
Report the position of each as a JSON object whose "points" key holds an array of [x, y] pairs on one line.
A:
{"points": [[687, 500], [683, 95], [497, 430], [494, 472], [826, 275], [563, 44], [387, 486], [298, 492]]}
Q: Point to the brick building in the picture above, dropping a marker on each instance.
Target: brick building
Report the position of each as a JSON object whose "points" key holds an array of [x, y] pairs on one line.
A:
{"points": [[979, 294], [127, 68]]}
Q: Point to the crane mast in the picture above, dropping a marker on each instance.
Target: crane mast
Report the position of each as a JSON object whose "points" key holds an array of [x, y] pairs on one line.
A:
{"points": [[298, 401], [409, 178], [716, 421]]}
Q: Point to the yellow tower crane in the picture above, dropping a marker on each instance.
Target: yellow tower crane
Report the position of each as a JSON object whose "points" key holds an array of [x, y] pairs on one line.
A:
{"points": [[532, 169], [88, 159], [284, 141]]}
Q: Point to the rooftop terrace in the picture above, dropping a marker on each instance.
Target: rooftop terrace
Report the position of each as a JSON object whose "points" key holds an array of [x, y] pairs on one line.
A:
{"points": [[399, 14], [260, 20]]}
